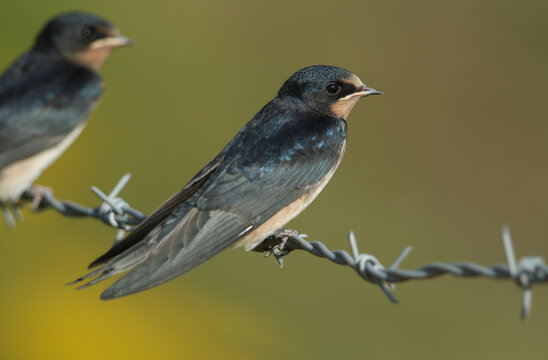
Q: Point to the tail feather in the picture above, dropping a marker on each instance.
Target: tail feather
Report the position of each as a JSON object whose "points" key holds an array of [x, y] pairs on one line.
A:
{"points": [[116, 265], [87, 276], [103, 276], [9, 218]]}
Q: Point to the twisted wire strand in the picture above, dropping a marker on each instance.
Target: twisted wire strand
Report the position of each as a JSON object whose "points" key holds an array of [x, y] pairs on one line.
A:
{"points": [[117, 213], [114, 211], [525, 273]]}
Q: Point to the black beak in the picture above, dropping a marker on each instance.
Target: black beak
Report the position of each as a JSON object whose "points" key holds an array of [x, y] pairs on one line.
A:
{"points": [[366, 91]]}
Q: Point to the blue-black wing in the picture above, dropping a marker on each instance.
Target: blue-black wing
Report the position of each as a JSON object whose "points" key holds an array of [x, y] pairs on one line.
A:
{"points": [[260, 173], [42, 101]]}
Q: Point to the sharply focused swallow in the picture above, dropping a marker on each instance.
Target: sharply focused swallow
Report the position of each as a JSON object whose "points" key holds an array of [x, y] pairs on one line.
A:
{"points": [[47, 94], [270, 172]]}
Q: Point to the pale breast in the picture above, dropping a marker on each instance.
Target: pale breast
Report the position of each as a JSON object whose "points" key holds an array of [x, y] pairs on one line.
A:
{"points": [[19, 176]]}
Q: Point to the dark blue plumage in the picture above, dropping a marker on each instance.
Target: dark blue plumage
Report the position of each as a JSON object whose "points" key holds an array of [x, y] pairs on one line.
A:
{"points": [[270, 171], [45, 100], [47, 94]]}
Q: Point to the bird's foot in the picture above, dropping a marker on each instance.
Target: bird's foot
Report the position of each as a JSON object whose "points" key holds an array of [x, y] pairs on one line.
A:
{"points": [[275, 244], [38, 193], [11, 211]]}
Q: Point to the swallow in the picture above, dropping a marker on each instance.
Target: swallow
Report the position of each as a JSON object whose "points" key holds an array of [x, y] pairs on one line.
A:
{"points": [[268, 173], [47, 94]]}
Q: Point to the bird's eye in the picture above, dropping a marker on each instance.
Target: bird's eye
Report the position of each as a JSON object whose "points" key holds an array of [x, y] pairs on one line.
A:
{"points": [[87, 32], [333, 88]]}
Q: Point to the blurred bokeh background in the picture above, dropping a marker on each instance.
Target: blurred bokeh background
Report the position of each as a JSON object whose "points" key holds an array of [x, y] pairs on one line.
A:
{"points": [[455, 148]]}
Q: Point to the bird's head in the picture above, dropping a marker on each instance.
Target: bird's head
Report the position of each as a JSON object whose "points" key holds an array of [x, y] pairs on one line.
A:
{"points": [[330, 90], [84, 39]]}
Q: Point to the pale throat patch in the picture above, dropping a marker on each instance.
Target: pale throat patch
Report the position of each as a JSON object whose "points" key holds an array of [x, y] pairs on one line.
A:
{"points": [[344, 106], [93, 58]]}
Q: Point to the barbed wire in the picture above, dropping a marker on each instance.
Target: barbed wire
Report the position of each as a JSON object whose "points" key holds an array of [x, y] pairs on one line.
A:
{"points": [[529, 270], [526, 272], [114, 211]]}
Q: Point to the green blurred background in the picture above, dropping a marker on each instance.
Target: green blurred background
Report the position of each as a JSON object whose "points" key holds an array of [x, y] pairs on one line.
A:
{"points": [[455, 148]]}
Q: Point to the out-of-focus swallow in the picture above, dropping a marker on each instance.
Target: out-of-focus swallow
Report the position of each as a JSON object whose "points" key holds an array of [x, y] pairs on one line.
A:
{"points": [[47, 94], [270, 172]]}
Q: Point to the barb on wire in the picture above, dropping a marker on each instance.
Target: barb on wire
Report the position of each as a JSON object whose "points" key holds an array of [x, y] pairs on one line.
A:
{"points": [[525, 273], [117, 213], [114, 211]]}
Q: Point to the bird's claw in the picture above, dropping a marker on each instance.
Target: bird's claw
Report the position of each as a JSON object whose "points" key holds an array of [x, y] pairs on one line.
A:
{"points": [[39, 192], [275, 244], [35, 195]]}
